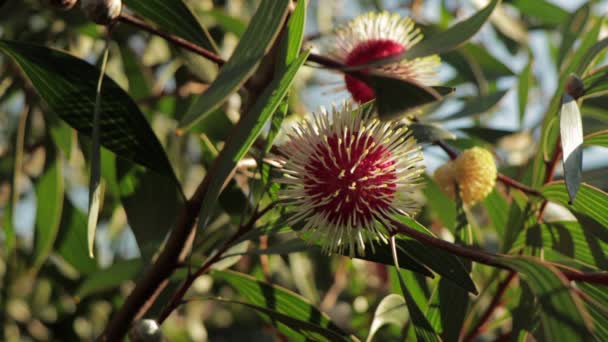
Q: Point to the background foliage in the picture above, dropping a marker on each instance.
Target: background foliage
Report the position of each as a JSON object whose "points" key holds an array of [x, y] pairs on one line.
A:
{"points": [[170, 118]]}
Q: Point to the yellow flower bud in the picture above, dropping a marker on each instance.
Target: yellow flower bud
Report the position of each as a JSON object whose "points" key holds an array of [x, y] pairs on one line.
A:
{"points": [[445, 176], [476, 174]]}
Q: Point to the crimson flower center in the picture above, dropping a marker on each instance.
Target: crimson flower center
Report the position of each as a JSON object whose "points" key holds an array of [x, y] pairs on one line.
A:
{"points": [[350, 180], [367, 52]]}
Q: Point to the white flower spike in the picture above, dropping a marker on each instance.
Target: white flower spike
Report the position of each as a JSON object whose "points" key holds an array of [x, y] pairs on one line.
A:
{"points": [[345, 175]]}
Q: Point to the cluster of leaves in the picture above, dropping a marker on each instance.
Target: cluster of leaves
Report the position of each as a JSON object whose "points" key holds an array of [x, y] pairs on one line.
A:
{"points": [[422, 291]]}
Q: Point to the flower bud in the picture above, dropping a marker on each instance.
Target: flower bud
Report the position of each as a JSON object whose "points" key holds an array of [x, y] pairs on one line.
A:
{"points": [[63, 5], [445, 176], [476, 174], [103, 12]]}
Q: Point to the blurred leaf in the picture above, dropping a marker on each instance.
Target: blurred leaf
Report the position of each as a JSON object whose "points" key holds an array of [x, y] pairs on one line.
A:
{"points": [[596, 82], [475, 64], [571, 128], [261, 33], [151, 202], [139, 83], [71, 243], [490, 135], [442, 206], [591, 54], [228, 23], [525, 314], [391, 310], [284, 306], [498, 210], [109, 278], [429, 132], [569, 239], [571, 30], [590, 201], [422, 327], [477, 106], [543, 10], [563, 316], [49, 205], [390, 99], [597, 139], [175, 17], [68, 85], [233, 255], [453, 37], [524, 81], [244, 134]]}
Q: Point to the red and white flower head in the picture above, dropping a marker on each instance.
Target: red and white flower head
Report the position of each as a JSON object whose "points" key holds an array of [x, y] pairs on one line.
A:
{"points": [[345, 174], [375, 36]]}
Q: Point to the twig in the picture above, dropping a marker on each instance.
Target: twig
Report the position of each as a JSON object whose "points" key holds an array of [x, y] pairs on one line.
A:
{"points": [[131, 20], [340, 281], [487, 258], [495, 303]]}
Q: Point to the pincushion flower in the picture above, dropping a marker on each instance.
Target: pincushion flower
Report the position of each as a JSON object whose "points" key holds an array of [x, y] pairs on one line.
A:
{"points": [[375, 36], [474, 170], [346, 175]]}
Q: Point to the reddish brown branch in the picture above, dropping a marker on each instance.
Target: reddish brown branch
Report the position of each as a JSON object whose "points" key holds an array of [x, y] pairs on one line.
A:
{"points": [[495, 303], [487, 258]]}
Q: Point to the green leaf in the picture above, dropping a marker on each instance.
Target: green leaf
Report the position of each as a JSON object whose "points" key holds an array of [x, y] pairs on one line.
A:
{"points": [[571, 129], [109, 278], [475, 64], [95, 182], [441, 205], [568, 241], [453, 37], [590, 56], [572, 29], [430, 132], [291, 44], [390, 95], [543, 10], [174, 17], [477, 106], [261, 33], [71, 243], [49, 199], [498, 210], [563, 316], [597, 139], [68, 85], [391, 310], [275, 299], [590, 201], [523, 88], [596, 82], [597, 308], [424, 330], [151, 202], [244, 135], [227, 23]]}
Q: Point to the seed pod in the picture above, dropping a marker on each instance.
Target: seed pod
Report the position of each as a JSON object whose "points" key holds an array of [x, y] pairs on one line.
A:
{"points": [[103, 12], [63, 5]]}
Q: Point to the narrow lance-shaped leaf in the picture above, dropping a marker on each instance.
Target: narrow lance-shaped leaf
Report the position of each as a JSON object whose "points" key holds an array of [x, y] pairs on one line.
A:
{"points": [[391, 99], [244, 134], [477, 106], [571, 129], [597, 139], [68, 85], [261, 33], [424, 330], [454, 36], [572, 29], [590, 201], [95, 184], [523, 88]]}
